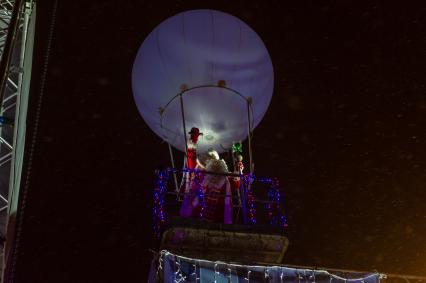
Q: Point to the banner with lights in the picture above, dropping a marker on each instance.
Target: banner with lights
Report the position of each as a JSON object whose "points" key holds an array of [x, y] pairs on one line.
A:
{"points": [[171, 268]]}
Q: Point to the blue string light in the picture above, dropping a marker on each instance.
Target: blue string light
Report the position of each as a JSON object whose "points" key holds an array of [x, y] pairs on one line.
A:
{"points": [[250, 199], [158, 209], [5, 121], [275, 212], [200, 195]]}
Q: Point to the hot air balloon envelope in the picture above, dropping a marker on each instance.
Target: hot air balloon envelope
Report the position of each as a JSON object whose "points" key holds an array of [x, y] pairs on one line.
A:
{"points": [[216, 62]]}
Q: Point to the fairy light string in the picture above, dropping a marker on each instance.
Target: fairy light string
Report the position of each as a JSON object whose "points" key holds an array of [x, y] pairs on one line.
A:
{"points": [[179, 276], [299, 273], [194, 272], [215, 272]]}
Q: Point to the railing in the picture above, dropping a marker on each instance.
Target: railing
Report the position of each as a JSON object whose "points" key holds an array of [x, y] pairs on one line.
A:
{"points": [[256, 201]]}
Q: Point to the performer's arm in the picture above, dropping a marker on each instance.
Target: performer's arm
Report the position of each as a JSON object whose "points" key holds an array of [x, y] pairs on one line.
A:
{"points": [[199, 165]]}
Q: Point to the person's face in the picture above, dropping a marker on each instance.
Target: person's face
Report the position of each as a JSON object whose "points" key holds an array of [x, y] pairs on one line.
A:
{"points": [[194, 137]]}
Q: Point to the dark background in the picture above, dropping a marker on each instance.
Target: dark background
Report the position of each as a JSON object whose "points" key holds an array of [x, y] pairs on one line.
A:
{"points": [[345, 133]]}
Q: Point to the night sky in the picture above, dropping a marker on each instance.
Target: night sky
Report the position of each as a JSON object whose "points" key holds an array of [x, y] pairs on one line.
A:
{"points": [[345, 133]]}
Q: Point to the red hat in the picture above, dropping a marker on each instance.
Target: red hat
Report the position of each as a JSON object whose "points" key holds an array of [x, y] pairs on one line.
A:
{"points": [[195, 131]]}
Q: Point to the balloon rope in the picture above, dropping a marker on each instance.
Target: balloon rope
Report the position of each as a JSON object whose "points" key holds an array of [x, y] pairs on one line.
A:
{"points": [[247, 185], [172, 160], [249, 136], [182, 111]]}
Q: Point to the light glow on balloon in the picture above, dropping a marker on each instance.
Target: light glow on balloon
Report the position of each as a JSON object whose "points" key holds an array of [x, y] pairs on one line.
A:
{"points": [[217, 62]]}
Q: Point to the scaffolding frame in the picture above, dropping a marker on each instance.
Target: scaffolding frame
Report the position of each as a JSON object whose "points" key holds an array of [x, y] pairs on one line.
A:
{"points": [[15, 71]]}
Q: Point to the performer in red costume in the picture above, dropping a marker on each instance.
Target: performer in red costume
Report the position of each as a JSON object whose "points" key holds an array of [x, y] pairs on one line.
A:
{"points": [[192, 148], [190, 202]]}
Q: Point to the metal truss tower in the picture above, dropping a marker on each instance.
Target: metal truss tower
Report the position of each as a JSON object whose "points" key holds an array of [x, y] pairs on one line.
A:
{"points": [[17, 25]]}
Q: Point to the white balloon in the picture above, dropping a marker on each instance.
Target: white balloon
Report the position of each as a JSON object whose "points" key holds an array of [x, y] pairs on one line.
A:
{"points": [[199, 48]]}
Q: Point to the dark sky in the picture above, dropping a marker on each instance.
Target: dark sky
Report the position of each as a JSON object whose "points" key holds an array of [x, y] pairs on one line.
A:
{"points": [[345, 133]]}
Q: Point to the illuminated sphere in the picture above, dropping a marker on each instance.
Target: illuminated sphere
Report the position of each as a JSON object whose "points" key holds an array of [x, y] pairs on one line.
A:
{"points": [[220, 62]]}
